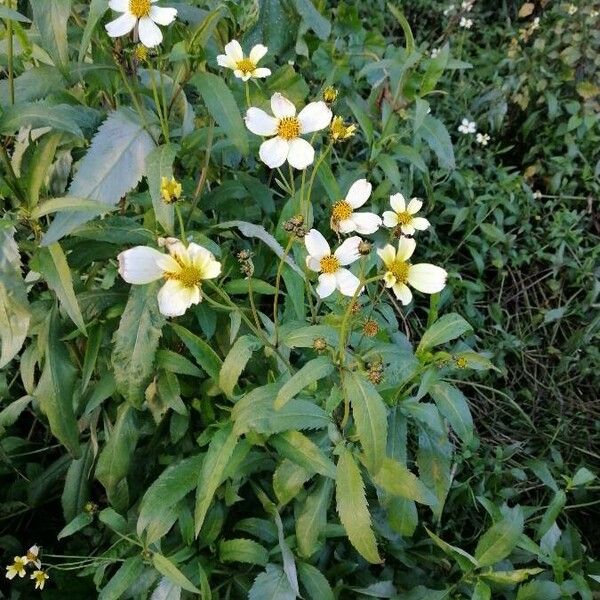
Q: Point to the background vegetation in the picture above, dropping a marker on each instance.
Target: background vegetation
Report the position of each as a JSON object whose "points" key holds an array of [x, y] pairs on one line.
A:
{"points": [[506, 505]]}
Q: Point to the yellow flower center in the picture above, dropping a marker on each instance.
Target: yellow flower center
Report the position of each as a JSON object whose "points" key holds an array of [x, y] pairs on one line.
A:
{"points": [[339, 130], [288, 128], [139, 8], [399, 269], [329, 264], [188, 275], [170, 189], [341, 211], [404, 218], [245, 66]]}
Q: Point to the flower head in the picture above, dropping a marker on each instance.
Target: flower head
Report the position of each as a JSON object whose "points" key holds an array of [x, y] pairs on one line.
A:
{"points": [[32, 556], [449, 9], [285, 129], [17, 568], [340, 131], [434, 52], [183, 268], [571, 9], [170, 189], [424, 277], [403, 215], [244, 67], [40, 579], [467, 5], [466, 23], [343, 217], [330, 266], [467, 127], [330, 94], [483, 139], [140, 15]]}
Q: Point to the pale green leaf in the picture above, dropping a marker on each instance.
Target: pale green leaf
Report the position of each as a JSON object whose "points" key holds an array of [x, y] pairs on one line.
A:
{"points": [[437, 137], [272, 584], [159, 164], [69, 204], [300, 449], [50, 19], [166, 567], [12, 15], [314, 582], [288, 480], [353, 509], [445, 329], [397, 480], [78, 523], [244, 551], [235, 362], [312, 371], [453, 405], [60, 117], [499, 541], [127, 574], [205, 356], [311, 517]]}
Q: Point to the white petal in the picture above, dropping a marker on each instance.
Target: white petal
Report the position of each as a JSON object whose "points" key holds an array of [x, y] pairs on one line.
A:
{"points": [[204, 260], [241, 74], [407, 228], [387, 254], [174, 298], [414, 206], [234, 50], [398, 203], [259, 122], [225, 61], [273, 152], [403, 293], [347, 282], [140, 265], [358, 193], [313, 264], [314, 116], [281, 106], [347, 252], [390, 219], [211, 269], [346, 225], [163, 16], [119, 5], [327, 283], [406, 247], [257, 53], [366, 223], [316, 244], [427, 278], [261, 72], [389, 279], [121, 25], [149, 32], [420, 223], [301, 154]]}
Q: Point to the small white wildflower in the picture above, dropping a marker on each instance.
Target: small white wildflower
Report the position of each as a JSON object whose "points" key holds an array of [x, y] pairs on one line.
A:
{"points": [[571, 9], [482, 139], [434, 52], [466, 23], [467, 126]]}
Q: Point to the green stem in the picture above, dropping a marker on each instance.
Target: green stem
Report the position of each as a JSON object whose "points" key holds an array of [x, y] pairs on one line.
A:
{"points": [[306, 197], [203, 172], [163, 124], [181, 225], [277, 284], [252, 304], [248, 102]]}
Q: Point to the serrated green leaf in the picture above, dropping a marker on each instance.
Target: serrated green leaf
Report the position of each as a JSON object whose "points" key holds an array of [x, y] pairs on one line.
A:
{"points": [[113, 165], [167, 568], [220, 449], [52, 264], [159, 502], [60, 117], [353, 509], [453, 405], [510, 577], [499, 541], [205, 356], [314, 582], [313, 370], [464, 560], [433, 460], [95, 13], [288, 479], [78, 523], [300, 449], [50, 19], [12, 15], [434, 132], [397, 480], [69, 204], [127, 574], [551, 513], [235, 362], [273, 584], [481, 591], [313, 18], [222, 106], [136, 342], [159, 164], [445, 329], [77, 483], [244, 551], [539, 590], [370, 417], [311, 517]]}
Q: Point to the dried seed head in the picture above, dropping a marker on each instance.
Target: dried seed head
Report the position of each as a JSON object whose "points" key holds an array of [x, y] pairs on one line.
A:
{"points": [[320, 344], [364, 247], [370, 328]]}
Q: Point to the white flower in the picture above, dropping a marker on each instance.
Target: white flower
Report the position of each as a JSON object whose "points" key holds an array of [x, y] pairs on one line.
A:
{"points": [[183, 268], [482, 139], [571, 9], [434, 52], [343, 217], [467, 126], [424, 277], [448, 10], [40, 579], [243, 67], [287, 128], [17, 567], [537, 194], [332, 275], [467, 5], [32, 556], [404, 216], [466, 23], [142, 15]]}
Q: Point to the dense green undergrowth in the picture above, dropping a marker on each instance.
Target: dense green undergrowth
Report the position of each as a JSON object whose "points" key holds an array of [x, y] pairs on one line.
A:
{"points": [[273, 441]]}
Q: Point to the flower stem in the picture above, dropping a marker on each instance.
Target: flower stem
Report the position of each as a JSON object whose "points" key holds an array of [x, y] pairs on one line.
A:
{"points": [[181, 225], [306, 197], [277, 284], [248, 102]]}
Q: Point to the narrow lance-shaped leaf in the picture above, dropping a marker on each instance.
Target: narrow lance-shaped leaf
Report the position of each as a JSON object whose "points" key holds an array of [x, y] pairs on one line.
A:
{"points": [[499, 541], [312, 371], [453, 405], [236, 361], [219, 452], [353, 509], [159, 164], [370, 416], [445, 329], [136, 342]]}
